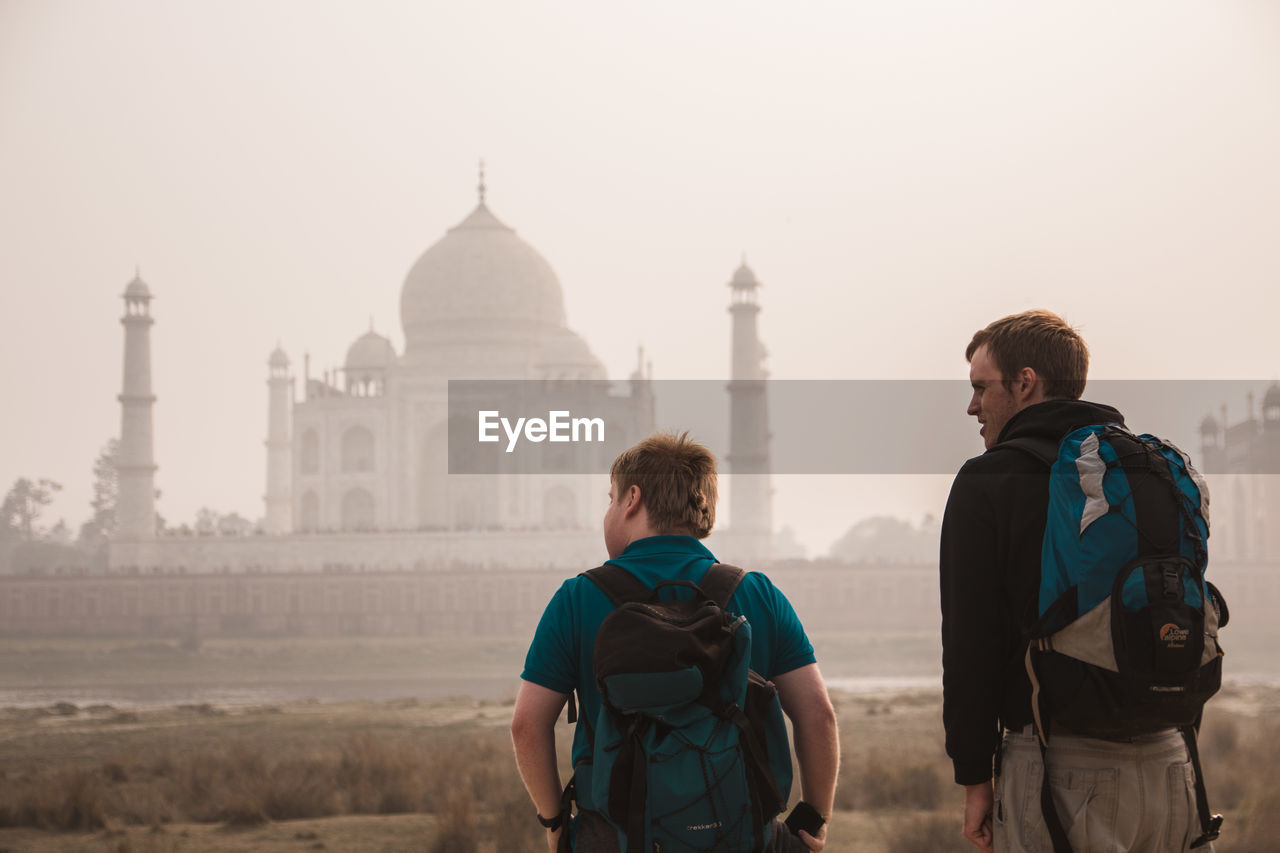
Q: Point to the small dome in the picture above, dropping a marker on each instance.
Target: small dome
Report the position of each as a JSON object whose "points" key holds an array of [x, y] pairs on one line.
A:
{"points": [[137, 289], [371, 351], [566, 355], [278, 358], [1271, 400], [744, 277], [1209, 426]]}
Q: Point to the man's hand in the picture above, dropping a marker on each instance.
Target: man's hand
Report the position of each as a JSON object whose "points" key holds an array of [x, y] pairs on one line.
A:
{"points": [[815, 844], [978, 800]]}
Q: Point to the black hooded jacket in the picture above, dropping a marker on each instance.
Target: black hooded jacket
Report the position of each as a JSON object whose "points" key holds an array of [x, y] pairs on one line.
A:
{"points": [[990, 572]]}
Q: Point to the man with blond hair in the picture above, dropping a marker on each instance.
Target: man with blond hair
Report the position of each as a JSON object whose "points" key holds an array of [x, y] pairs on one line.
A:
{"points": [[662, 501], [1028, 373]]}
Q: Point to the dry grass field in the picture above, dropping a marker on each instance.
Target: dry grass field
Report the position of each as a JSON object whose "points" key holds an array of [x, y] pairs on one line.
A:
{"points": [[437, 777]]}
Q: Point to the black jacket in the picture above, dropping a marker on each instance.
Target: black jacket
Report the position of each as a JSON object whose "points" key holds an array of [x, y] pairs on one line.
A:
{"points": [[990, 573]]}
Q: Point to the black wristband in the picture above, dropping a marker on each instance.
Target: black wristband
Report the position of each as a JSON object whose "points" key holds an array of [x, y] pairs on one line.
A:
{"points": [[553, 823], [806, 817]]}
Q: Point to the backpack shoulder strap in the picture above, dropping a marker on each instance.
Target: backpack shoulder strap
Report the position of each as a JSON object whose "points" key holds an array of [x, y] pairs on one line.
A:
{"points": [[718, 584], [619, 584], [721, 582]]}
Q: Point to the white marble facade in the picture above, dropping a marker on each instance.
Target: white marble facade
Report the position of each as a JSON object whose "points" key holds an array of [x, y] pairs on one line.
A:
{"points": [[368, 446]]}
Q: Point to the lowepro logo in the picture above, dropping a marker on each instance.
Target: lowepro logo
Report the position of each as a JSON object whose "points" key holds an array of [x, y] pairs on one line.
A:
{"points": [[1173, 635]]}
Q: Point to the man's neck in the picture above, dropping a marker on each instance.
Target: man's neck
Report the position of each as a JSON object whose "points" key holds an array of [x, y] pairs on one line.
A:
{"points": [[648, 532]]}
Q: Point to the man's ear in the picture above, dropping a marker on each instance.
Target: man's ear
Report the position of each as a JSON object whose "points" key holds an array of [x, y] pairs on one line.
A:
{"points": [[1027, 383], [632, 502]]}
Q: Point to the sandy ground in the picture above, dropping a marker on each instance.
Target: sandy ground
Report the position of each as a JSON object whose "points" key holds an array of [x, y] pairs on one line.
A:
{"points": [[888, 726]]}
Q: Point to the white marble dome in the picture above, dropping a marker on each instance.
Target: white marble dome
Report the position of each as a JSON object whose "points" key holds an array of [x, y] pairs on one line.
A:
{"points": [[483, 278], [370, 351]]}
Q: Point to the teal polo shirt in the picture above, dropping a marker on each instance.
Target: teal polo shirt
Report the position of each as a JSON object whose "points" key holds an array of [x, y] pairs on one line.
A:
{"points": [[560, 656]]}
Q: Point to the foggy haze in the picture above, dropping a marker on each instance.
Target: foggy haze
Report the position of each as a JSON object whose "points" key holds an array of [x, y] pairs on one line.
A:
{"points": [[898, 175]]}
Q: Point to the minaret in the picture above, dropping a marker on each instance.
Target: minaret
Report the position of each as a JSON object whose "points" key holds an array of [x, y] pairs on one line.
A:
{"points": [[750, 491], [279, 497], [1209, 430], [135, 464]]}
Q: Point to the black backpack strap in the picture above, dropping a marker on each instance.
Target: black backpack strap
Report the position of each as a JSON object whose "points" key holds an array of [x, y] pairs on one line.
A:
{"points": [[1154, 495], [619, 584], [567, 798], [721, 582], [1210, 824], [1052, 822], [718, 584], [1224, 614], [755, 752], [628, 785], [1040, 714]]}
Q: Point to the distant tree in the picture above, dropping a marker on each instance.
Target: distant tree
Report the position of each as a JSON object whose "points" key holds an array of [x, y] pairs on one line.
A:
{"points": [[234, 524], [210, 522], [786, 546], [162, 526], [23, 504], [60, 533], [106, 490], [206, 523], [887, 539]]}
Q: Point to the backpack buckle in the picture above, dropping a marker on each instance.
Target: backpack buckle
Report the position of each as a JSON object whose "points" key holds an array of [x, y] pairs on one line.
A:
{"points": [[1211, 833], [1172, 582]]}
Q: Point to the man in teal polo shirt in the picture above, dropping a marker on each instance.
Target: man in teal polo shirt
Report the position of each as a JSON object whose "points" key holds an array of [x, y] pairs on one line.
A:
{"points": [[662, 500]]}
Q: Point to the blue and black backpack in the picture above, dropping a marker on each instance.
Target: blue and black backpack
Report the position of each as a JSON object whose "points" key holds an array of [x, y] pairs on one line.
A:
{"points": [[689, 751], [1126, 636]]}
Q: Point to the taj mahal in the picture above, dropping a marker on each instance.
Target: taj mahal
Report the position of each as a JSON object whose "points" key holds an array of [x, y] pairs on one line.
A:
{"points": [[365, 530], [357, 467]]}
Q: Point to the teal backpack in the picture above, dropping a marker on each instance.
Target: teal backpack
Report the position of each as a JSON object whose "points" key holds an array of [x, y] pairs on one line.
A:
{"points": [[689, 753], [1126, 639]]}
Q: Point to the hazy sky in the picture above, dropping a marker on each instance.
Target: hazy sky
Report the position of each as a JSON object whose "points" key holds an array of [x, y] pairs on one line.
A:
{"points": [[898, 174]]}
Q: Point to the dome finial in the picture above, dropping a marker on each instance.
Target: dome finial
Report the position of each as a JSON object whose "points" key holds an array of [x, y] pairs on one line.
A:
{"points": [[480, 186]]}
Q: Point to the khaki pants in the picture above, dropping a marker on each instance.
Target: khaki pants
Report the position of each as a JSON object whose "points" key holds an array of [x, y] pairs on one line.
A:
{"points": [[1111, 796]]}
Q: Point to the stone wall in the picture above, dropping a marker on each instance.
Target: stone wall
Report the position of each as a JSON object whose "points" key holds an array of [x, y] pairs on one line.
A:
{"points": [[472, 600]]}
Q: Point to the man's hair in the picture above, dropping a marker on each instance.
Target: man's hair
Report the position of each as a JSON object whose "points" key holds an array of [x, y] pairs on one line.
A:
{"points": [[677, 480], [1042, 341]]}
